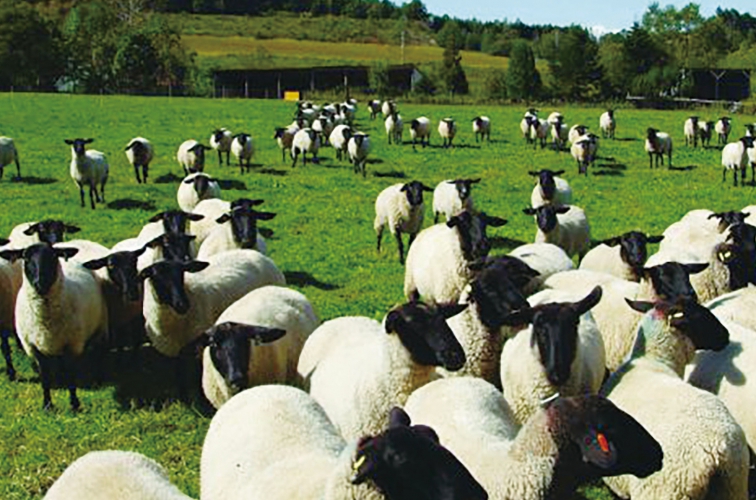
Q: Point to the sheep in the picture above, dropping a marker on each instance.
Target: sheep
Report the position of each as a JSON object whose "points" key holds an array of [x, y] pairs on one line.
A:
{"points": [[284, 137], [559, 133], [8, 155], [394, 126], [525, 125], [374, 106], [700, 227], [348, 110], [88, 168], [357, 372], [705, 452], [437, 262], [115, 475], [278, 318], [48, 231], [9, 286], [567, 442], [657, 145], [561, 352], [451, 197], [481, 126], [735, 157], [539, 130], [420, 129], [212, 209], [576, 132], [401, 208], [220, 140], [622, 256], [270, 432], [750, 130], [139, 152], [705, 130], [243, 149], [195, 188], [447, 129], [550, 189], [388, 107], [358, 149], [583, 150], [722, 128], [339, 139], [177, 309], [169, 221], [305, 141], [565, 226], [691, 130], [237, 229], [752, 160], [546, 259], [58, 309], [324, 126], [607, 124], [191, 156]]}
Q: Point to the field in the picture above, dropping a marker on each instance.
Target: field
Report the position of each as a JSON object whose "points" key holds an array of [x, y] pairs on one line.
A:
{"points": [[322, 236]]}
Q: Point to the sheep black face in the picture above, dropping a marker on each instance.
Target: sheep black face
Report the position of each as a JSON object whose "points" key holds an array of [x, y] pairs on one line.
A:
{"points": [[168, 281], [175, 246], [79, 145], [495, 295], [472, 233], [633, 251], [279, 133], [464, 186], [174, 221], [423, 331], [244, 224], [40, 263], [727, 219], [505, 266], [50, 231], [407, 462], [546, 181], [201, 183], [414, 192], [546, 216], [199, 157], [122, 271], [671, 280], [743, 238]]}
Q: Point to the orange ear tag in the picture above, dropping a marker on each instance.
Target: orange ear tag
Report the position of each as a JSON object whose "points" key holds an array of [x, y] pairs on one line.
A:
{"points": [[603, 443]]}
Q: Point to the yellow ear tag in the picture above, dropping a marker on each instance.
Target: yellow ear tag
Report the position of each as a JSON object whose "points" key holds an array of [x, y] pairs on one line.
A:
{"points": [[725, 256], [678, 315], [358, 463], [602, 442]]}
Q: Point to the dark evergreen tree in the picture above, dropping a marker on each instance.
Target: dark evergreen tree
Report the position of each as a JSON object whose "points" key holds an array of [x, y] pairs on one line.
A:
{"points": [[523, 80]]}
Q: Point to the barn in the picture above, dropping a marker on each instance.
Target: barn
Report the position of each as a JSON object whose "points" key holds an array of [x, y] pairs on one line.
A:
{"points": [[719, 84]]}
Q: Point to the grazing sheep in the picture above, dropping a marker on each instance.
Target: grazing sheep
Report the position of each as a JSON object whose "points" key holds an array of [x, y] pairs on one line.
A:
{"points": [[394, 128], [691, 130], [195, 188], [447, 129], [420, 129], [374, 106], [88, 168], [139, 152], [583, 150], [284, 137], [723, 128], [576, 132], [607, 124], [559, 133], [550, 189], [236, 229], [358, 149], [481, 126], [401, 208], [622, 256], [191, 156], [705, 129], [388, 107], [305, 141], [567, 442], [657, 145], [451, 197], [114, 475], [243, 149], [256, 341], [358, 368], [272, 432], [220, 140], [525, 124], [539, 131], [735, 157], [566, 227], [339, 139], [546, 259], [8, 155]]}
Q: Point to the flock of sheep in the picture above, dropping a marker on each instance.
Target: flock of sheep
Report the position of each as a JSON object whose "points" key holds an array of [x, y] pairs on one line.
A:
{"points": [[509, 377]]}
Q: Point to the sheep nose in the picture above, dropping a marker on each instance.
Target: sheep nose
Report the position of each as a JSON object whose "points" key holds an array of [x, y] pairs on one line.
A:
{"points": [[453, 359]]}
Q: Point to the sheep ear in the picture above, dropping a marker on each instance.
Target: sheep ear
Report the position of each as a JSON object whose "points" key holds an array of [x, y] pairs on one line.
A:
{"points": [[195, 266], [475, 181], [520, 317], [71, 229], [529, 211], [194, 217], [398, 418], [155, 242], [426, 432], [68, 141], [96, 264], [158, 217], [4, 241], [589, 301], [33, 228], [453, 222], [612, 242], [641, 306], [425, 188], [196, 346], [393, 318], [12, 255], [596, 448], [654, 239], [534, 173], [559, 172], [147, 272], [449, 310], [695, 268], [223, 219], [264, 215], [262, 334], [493, 221], [404, 187], [88, 141], [562, 210], [189, 181], [66, 253]]}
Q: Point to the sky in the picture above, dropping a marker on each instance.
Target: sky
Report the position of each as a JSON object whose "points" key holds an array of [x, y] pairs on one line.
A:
{"points": [[599, 16]]}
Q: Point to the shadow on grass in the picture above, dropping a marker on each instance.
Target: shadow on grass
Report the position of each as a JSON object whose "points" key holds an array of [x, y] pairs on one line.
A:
{"points": [[613, 166], [303, 279], [231, 185], [272, 171], [505, 242], [394, 174], [130, 204], [373, 161], [265, 232], [169, 178], [609, 173], [626, 139], [683, 169], [30, 179]]}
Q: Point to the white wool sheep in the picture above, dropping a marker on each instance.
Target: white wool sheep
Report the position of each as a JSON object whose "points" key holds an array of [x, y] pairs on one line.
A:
{"points": [[195, 188], [481, 126], [544, 459], [139, 152], [231, 235], [401, 208], [723, 128], [284, 137], [8, 155], [210, 209], [220, 140], [576, 132], [545, 258], [607, 124], [554, 355], [115, 475], [358, 149], [565, 226], [525, 127], [705, 129], [358, 368], [181, 308], [88, 168], [550, 189], [388, 107], [420, 130], [374, 106], [394, 126], [539, 131], [191, 156], [735, 157], [705, 451], [657, 145], [699, 228], [243, 148], [559, 134], [583, 151], [9, 286], [305, 141], [339, 139], [324, 126], [621, 256], [447, 129], [691, 131], [453, 196], [274, 362]]}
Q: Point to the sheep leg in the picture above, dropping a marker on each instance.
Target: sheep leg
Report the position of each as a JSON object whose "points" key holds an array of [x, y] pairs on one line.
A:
{"points": [[380, 237], [724, 174], [145, 171], [136, 173], [398, 235], [294, 156], [45, 378], [102, 190], [364, 168], [650, 160], [69, 371], [220, 158], [18, 169], [6, 349], [228, 161], [93, 194], [81, 193], [435, 218]]}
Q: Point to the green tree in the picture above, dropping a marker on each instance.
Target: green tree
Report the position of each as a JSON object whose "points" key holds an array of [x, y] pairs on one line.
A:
{"points": [[523, 81], [574, 69], [495, 84], [379, 79], [452, 74]]}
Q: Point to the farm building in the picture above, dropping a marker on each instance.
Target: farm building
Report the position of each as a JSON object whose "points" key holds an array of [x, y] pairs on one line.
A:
{"points": [[272, 83], [719, 84]]}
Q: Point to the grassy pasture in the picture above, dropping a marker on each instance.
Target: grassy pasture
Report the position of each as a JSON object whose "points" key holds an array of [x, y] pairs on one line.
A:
{"points": [[323, 238]]}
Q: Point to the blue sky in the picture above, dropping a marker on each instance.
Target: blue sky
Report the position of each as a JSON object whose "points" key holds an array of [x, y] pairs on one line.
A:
{"points": [[610, 15]]}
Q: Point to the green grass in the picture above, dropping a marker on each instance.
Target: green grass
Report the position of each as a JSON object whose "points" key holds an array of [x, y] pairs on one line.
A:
{"points": [[323, 237]]}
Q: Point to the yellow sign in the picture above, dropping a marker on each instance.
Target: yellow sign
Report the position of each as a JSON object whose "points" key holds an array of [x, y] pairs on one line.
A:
{"points": [[291, 95]]}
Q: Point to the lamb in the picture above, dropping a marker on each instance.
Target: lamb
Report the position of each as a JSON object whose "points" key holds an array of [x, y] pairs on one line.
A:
{"points": [[256, 341], [437, 263], [220, 140], [8, 155], [567, 442], [284, 137], [394, 128], [272, 432], [481, 126], [722, 128], [583, 150], [566, 227], [178, 310], [243, 149], [657, 145], [562, 352], [420, 129], [607, 124], [115, 475], [705, 130], [451, 197], [735, 157], [447, 129], [358, 148], [305, 141], [401, 208], [195, 188], [237, 229], [705, 451], [88, 168], [358, 368], [622, 256], [339, 139], [58, 309], [546, 259], [139, 152], [691, 130], [550, 189], [191, 156]]}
